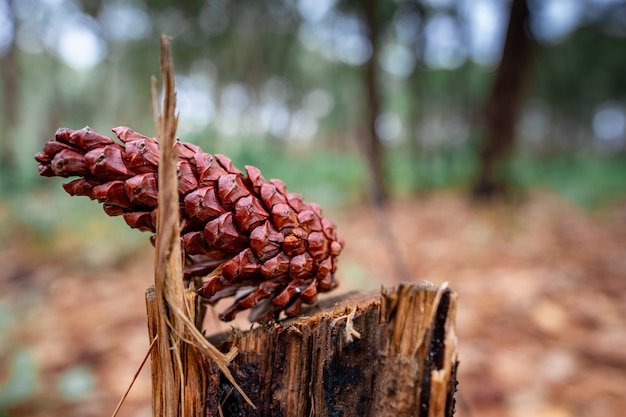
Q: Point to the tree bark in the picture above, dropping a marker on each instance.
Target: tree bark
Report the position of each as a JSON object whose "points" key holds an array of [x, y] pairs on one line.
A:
{"points": [[388, 353], [503, 106]]}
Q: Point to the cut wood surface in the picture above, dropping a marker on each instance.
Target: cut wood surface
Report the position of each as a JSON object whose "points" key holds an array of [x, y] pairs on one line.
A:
{"points": [[385, 353]]}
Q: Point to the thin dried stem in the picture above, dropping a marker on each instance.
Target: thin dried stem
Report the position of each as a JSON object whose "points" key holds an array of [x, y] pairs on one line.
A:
{"points": [[132, 382]]}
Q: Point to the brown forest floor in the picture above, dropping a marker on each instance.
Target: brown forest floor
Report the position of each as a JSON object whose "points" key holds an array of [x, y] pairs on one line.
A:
{"points": [[541, 322]]}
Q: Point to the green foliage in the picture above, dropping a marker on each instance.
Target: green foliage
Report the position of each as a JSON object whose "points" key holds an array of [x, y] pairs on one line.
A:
{"points": [[585, 179], [76, 383], [21, 381], [49, 217], [448, 168], [329, 178], [576, 75], [254, 42], [589, 179]]}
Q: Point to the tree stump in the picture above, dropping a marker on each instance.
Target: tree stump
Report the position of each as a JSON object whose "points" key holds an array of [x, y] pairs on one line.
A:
{"points": [[388, 353], [385, 353]]}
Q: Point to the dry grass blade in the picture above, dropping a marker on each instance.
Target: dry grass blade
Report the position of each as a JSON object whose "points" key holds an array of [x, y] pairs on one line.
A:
{"points": [[143, 362], [168, 284]]}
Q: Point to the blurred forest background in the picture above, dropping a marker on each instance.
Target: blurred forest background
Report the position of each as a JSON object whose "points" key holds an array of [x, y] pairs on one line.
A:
{"points": [[418, 107], [318, 84]]}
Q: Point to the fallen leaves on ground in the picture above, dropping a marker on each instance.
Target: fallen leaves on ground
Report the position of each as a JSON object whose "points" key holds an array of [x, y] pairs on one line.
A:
{"points": [[541, 321]]}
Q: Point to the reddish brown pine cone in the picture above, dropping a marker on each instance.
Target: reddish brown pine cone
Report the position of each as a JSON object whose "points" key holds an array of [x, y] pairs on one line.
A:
{"points": [[250, 237]]}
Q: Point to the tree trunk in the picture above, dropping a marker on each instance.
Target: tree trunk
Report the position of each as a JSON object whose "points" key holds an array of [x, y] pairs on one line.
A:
{"points": [[503, 106], [388, 353], [10, 91], [372, 145]]}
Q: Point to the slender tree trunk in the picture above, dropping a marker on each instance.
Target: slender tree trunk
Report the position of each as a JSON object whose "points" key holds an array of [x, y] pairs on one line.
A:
{"points": [[503, 106], [371, 141], [10, 103]]}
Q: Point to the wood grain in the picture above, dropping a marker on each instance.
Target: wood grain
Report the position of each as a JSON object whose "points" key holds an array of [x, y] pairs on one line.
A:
{"points": [[387, 353]]}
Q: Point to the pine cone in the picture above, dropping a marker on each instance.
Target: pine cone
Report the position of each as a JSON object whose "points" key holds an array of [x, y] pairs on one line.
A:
{"points": [[254, 240]]}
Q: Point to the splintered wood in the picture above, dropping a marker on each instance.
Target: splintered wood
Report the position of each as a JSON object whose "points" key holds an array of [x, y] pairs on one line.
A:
{"points": [[388, 353], [173, 310]]}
